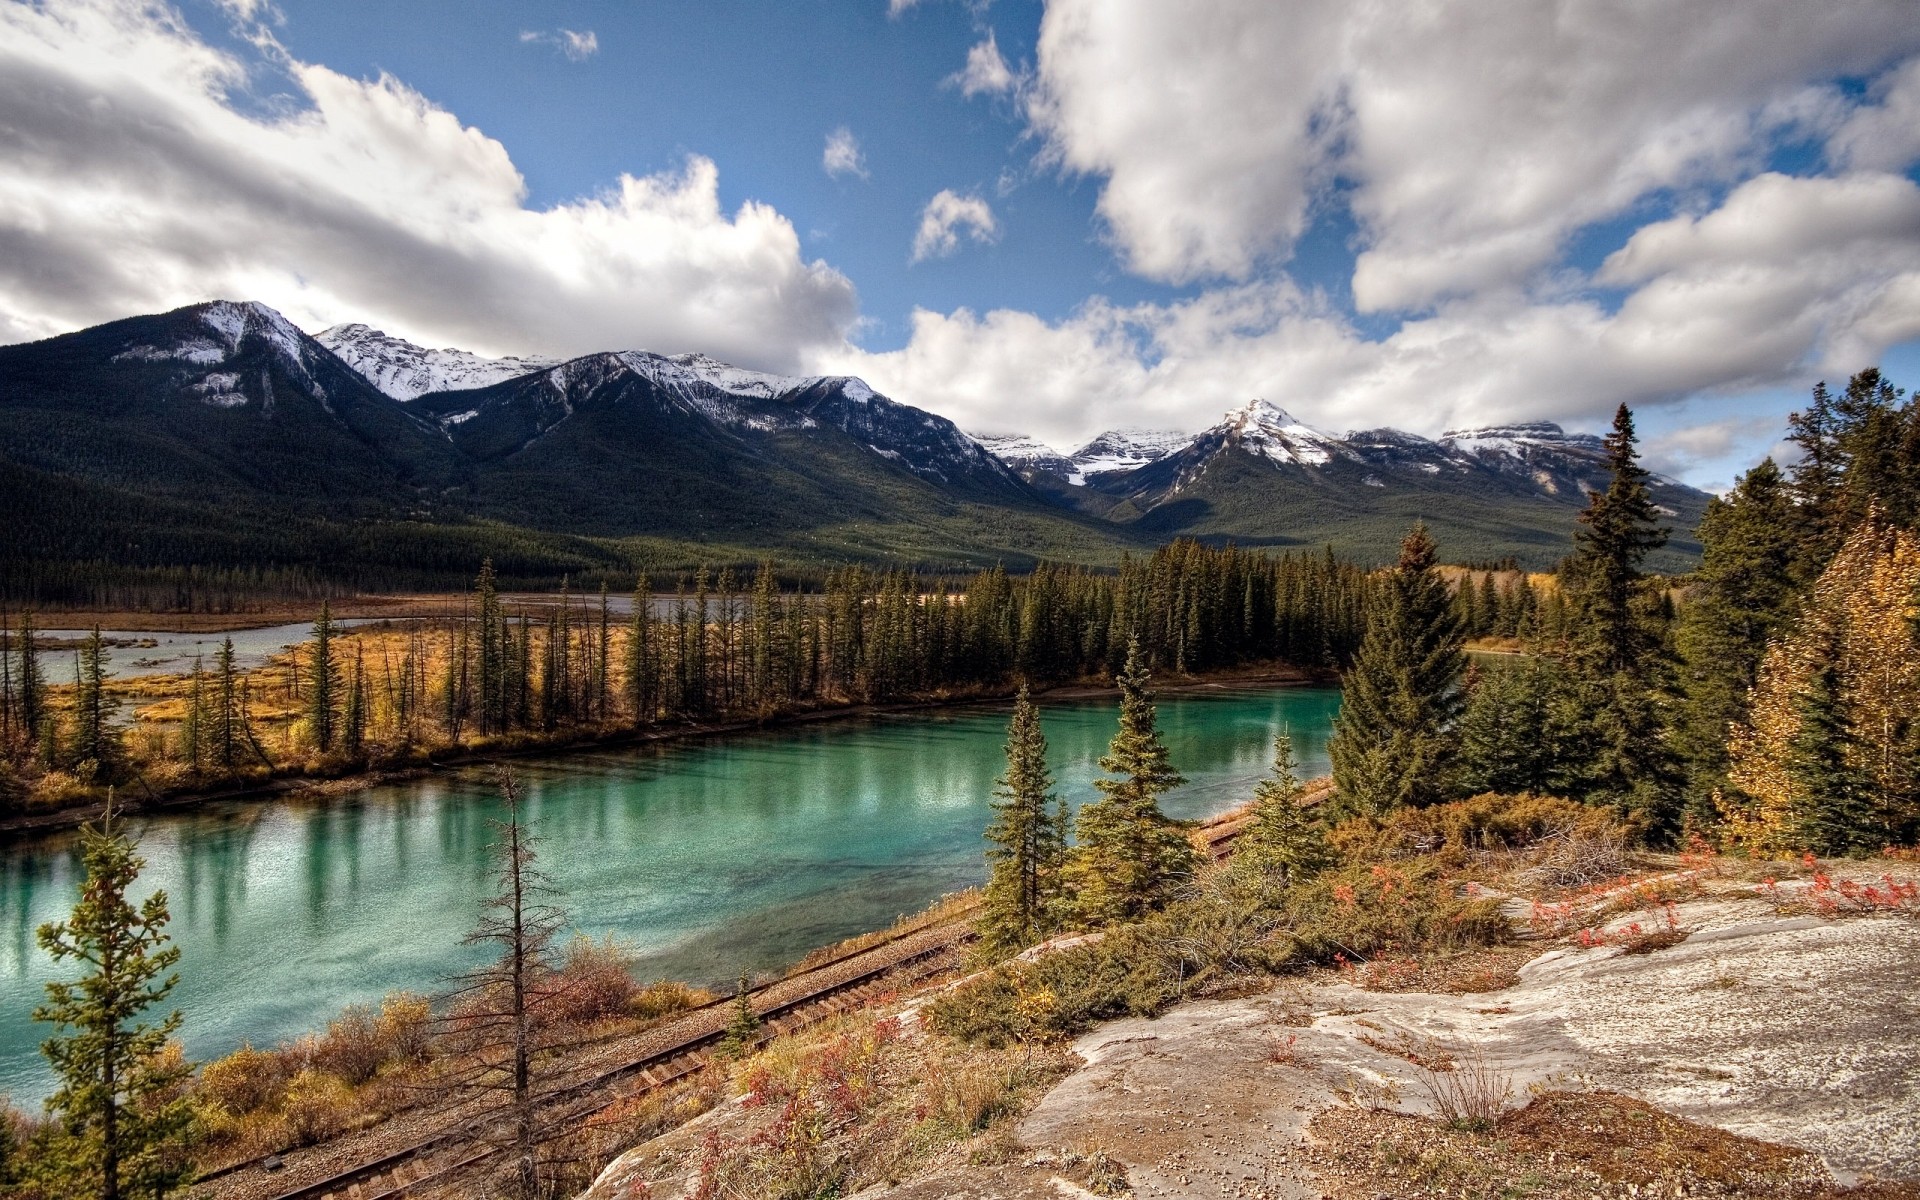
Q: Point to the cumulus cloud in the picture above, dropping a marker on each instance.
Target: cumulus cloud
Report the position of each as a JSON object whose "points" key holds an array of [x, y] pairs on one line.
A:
{"points": [[947, 216], [986, 72], [1886, 134], [576, 46], [842, 155], [132, 185], [1473, 139], [1785, 279]]}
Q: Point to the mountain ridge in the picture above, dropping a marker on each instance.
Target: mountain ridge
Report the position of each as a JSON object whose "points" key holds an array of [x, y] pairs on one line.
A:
{"points": [[229, 407]]}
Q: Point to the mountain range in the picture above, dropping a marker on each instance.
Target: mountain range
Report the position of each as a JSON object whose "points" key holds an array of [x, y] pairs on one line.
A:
{"points": [[222, 435]]}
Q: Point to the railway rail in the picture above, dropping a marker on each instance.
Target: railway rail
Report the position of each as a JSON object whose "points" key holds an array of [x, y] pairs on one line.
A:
{"points": [[402, 1165]]}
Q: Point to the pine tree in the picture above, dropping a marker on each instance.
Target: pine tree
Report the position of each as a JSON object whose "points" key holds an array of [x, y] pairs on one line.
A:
{"points": [[1618, 529], [1393, 743], [193, 728], [1524, 730], [1619, 646], [1283, 844], [1827, 750], [743, 1030], [225, 725], [95, 739], [353, 716], [123, 1127], [1836, 815], [30, 711], [1130, 858], [1742, 595], [1022, 888], [323, 697]]}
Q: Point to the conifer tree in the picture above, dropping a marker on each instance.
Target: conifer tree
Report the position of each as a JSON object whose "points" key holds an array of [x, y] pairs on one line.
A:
{"points": [[1393, 743], [30, 712], [1618, 529], [1618, 645], [1130, 858], [353, 715], [224, 728], [1022, 892], [323, 697], [1524, 729], [1283, 844], [1742, 595], [193, 728], [1826, 758], [520, 924], [95, 739], [743, 1030], [122, 1127]]}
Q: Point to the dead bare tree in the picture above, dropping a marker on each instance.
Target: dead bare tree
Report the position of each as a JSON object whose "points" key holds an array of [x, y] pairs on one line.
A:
{"points": [[494, 1008]]}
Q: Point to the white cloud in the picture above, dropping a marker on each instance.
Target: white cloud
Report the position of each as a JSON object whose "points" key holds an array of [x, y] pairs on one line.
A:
{"points": [[842, 155], [1788, 279], [577, 46], [946, 217], [1886, 135], [131, 185], [985, 72], [1474, 138], [896, 7]]}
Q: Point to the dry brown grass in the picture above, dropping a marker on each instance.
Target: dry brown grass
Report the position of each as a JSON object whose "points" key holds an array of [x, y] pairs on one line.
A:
{"points": [[1564, 1144]]}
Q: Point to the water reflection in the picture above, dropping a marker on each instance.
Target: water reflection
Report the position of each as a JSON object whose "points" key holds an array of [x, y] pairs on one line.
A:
{"points": [[712, 858]]}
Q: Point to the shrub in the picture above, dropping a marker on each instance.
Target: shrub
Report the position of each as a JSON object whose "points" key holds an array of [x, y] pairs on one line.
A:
{"points": [[594, 982], [245, 1081], [317, 1106], [666, 998], [352, 1047], [1362, 910], [1488, 822], [405, 1027]]}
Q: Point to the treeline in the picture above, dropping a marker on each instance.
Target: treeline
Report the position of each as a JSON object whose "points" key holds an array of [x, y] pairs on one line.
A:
{"points": [[1775, 709], [726, 646]]}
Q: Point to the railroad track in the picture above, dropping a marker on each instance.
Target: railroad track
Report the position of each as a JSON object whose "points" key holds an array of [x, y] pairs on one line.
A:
{"points": [[454, 1150], [450, 1149]]}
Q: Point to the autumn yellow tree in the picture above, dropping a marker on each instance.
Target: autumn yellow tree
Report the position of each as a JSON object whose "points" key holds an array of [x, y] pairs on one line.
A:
{"points": [[1829, 758]]}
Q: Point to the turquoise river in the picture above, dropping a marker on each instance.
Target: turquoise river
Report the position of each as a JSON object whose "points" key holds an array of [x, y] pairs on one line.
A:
{"points": [[711, 857]]}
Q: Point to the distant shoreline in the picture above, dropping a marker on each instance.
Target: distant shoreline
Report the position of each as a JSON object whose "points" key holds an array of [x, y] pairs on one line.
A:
{"points": [[26, 825]]}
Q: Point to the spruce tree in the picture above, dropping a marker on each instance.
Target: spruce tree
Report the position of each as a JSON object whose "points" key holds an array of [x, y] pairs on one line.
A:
{"points": [[1742, 595], [1836, 812], [323, 697], [30, 711], [353, 715], [1393, 742], [122, 1126], [1618, 529], [1284, 843], [1130, 858], [193, 727], [225, 728], [95, 739], [1524, 729], [1022, 888]]}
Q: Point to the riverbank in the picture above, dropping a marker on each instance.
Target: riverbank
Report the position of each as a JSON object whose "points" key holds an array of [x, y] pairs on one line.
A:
{"points": [[304, 781]]}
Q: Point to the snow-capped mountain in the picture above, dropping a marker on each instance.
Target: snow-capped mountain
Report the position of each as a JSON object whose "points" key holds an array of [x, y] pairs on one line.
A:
{"points": [[1112, 452], [406, 371], [1023, 453]]}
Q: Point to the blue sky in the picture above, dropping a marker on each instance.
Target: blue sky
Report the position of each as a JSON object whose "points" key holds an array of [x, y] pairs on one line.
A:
{"points": [[1427, 217], [758, 87]]}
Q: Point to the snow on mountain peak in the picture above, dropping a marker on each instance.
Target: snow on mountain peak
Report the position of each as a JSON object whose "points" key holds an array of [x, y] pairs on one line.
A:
{"points": [[1123, 450], [1273, 433], [405, 371]]}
